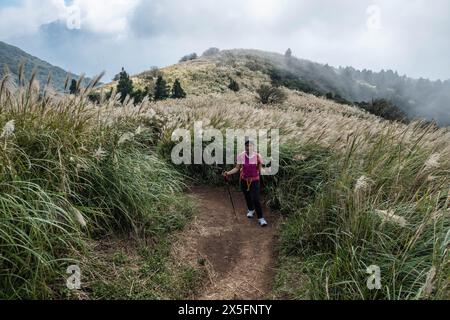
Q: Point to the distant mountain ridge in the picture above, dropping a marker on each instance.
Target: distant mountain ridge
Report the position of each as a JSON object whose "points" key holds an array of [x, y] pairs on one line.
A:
{"points": [[12, 56]]}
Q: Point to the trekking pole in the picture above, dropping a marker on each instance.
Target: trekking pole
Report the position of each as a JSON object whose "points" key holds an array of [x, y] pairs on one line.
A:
{"points": [[227, 182]]}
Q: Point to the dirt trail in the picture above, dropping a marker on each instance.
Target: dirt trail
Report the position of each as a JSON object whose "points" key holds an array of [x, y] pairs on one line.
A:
{"points": [[240, 255]]}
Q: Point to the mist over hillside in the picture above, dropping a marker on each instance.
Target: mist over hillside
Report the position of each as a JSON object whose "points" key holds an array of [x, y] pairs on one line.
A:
{"points": [[418, 98]]}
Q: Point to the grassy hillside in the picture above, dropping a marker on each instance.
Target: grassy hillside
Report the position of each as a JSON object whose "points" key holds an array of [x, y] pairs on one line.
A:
{"points": [[355, 190], [12, 57], [79, 180], [417, 98]]}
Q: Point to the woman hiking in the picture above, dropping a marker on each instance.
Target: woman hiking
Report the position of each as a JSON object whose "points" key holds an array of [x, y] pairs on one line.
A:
{"points": [[249, 164]]}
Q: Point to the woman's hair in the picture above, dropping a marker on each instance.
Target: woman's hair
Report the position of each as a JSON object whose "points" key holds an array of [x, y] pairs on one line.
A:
{"points": [[248, 141]]}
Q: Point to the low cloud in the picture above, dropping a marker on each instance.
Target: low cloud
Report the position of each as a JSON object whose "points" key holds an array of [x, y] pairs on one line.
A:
{"points": [[407, 36]]}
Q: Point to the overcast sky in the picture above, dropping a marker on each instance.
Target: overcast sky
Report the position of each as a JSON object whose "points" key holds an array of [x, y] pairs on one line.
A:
{"points": [[409, 36]]}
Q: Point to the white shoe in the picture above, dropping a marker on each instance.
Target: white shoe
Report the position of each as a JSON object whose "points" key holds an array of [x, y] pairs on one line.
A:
{"points": [[251, 214], [262, 222]]}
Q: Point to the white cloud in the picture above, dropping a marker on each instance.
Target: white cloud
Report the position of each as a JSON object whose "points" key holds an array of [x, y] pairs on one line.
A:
{"points": [[100, 16], [106, 16], [411, 36], [28, 16]]}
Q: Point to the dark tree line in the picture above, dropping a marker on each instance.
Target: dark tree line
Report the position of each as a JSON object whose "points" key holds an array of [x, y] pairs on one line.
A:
{"points": [[189, 57], [385, 108], [418, 98], [125, 88]]}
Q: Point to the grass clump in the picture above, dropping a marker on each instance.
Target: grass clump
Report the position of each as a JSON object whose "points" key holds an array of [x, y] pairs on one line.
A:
{"points": [[38, 230], [137, 271], [270, 94]]}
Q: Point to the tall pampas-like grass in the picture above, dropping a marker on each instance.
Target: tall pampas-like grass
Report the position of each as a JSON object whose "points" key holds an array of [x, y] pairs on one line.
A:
{"points": [[65, 175], [354, 189]]}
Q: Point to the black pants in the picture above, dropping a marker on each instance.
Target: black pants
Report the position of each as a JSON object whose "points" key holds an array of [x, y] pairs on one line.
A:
{"points": [[252, 197]]}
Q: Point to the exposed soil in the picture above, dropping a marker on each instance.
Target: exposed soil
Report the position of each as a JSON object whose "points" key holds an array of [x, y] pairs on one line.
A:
{"points": [[240, 255]]}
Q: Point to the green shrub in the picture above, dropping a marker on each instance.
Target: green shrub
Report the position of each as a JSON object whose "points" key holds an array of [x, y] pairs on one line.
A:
{"points": [[384, 109], [233, 86], [94, 97], [270, 95]]}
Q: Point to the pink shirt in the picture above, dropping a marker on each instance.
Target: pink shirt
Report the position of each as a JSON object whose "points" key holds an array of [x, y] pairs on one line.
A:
{"points": [[250, 166]]}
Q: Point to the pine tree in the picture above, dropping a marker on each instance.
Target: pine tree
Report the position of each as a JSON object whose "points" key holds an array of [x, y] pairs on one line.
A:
{"points": [[177, 91], [125, 85], [74, 87], [161, 92], [288, 53], [140, 94]]}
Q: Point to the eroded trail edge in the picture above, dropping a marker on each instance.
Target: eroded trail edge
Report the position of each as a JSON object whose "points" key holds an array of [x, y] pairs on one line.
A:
{"points": [[239, 255]]}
